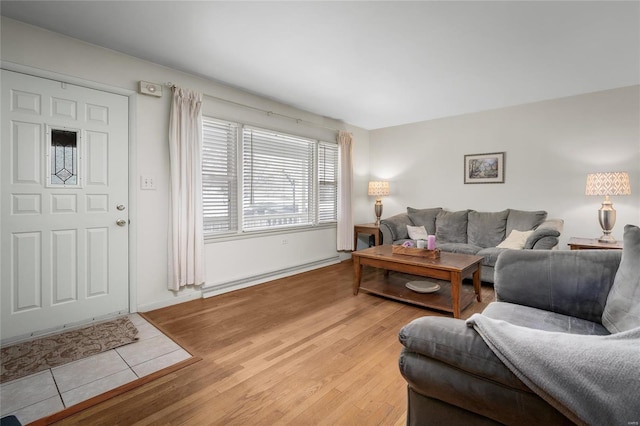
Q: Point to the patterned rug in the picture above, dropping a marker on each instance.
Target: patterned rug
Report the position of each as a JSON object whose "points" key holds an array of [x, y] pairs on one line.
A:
{"points": [[23, 359]]}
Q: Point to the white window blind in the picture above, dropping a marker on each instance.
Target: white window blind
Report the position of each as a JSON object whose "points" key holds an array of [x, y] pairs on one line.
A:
{"points": [[277, 180], [219, 176], [287, 180], [327, 182]]}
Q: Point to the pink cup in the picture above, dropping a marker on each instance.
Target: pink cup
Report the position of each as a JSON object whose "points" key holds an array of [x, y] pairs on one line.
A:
{"points": [[431, 242]]}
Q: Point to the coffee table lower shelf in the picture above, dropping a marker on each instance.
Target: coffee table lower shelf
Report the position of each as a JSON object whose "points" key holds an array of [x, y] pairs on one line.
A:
{"points": [[393, 287]]}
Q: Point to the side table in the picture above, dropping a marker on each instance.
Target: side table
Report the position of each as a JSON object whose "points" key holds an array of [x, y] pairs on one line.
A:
{"points": [[366, 228], [592, 244]]}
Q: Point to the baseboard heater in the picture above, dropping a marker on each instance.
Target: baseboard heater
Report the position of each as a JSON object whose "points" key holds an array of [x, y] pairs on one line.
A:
{"points": [[217, 289]]}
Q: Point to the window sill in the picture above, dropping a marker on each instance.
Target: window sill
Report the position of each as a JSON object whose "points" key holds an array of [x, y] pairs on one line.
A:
{"points": [[211, 239]]}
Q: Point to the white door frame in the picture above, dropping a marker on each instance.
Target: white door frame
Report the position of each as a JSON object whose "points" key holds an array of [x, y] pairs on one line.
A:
{"points": [[132, 204]]}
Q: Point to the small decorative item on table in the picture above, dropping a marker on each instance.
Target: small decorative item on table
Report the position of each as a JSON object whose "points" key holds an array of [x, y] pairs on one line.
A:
{"points": [[408, 249], [431, 242]]}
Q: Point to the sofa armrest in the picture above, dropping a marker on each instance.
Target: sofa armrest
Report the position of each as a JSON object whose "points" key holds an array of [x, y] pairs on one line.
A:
{"points": [[451, 341], [387, 236], [574, 283], [395, 228], [545, 237]]}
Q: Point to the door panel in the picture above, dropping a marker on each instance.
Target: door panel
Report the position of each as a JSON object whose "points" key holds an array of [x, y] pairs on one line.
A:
{"points": [[26, 147], [25, 271], [64, 169]]}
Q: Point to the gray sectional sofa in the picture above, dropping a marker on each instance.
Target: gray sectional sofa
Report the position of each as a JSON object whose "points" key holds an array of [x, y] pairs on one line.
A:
{"points": [[473, 232]]}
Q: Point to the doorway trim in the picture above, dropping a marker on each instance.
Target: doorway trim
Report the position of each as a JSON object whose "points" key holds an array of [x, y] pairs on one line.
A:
{"points": [[133, 206]]}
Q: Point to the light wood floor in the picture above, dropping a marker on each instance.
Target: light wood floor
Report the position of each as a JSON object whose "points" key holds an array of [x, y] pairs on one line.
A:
{"points": [[300, 350]]}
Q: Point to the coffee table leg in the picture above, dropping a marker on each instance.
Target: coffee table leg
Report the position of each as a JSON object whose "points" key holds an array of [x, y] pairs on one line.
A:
{"points": [[456, 284], [476, 284], [357, 276]]}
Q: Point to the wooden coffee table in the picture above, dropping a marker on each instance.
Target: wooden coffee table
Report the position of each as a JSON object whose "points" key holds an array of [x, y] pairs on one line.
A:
{"points": [[450, 267]]}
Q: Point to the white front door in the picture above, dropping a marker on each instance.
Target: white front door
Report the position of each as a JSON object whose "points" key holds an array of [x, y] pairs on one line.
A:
{"points": [[64, 205]]}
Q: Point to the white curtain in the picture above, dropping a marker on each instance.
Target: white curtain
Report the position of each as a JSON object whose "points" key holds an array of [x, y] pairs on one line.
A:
{"points": [[345, 189], [186, 240]]}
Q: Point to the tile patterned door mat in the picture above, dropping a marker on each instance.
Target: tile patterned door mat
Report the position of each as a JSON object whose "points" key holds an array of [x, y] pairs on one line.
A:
{"points": [[30, 357], [41, 394]]}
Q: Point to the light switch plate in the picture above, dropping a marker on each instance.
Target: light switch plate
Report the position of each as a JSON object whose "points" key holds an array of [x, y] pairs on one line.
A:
{"points": [[151, 89]]}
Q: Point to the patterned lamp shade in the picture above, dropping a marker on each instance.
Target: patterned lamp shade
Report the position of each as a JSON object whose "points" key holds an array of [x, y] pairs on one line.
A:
{"points": [[379, 188], [611, 183]]}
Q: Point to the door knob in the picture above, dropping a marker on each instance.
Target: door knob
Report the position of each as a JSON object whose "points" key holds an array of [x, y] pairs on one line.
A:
{"points": [[121, 222]]}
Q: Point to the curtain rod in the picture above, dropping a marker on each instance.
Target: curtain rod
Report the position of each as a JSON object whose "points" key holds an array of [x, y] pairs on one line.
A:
{"points": [[269, 113]]}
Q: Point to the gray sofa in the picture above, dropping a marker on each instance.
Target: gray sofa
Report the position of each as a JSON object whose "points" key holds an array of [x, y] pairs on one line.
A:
{"points": [[473, 232], [454, 377]]}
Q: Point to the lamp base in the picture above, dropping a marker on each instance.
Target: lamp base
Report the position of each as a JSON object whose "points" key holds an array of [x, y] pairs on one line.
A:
{"points": [[607, 238], [377, 208], [607, 219]]}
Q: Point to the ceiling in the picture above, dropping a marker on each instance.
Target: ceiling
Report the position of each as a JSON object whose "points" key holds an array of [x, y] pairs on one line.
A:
{"points": [[368, 63]]}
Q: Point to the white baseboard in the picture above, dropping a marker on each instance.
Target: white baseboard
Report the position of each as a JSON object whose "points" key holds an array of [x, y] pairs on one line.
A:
{"points": [[216, 289], [179, 298]]}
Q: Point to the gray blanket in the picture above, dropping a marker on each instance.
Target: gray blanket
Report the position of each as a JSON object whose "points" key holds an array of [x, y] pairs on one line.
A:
{"points": [[593, 380]]}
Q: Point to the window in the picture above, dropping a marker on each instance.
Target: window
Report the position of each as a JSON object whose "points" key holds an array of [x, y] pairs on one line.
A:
{"points": [[286, 180], [219, 176], [277, 180], [327, 182]]}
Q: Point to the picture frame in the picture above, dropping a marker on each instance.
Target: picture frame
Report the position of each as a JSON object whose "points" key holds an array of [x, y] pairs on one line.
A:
{"points": [[484, 168]]}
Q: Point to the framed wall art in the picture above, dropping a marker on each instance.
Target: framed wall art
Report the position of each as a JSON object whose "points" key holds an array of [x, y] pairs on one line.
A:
{"points": [[484, 168]]}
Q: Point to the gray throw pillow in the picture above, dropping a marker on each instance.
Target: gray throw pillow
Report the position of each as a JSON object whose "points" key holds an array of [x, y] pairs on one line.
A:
{"points": [[451, 227], [622, 310], [524, 221], [424, 217], [486, 229], [398, 226]]}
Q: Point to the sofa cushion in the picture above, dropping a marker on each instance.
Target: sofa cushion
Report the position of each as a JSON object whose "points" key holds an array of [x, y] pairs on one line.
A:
{"points": [[622, 310], [398, 226], [526, 316], [516, 240], [486, 229], [424, 217], [451, 227], [461, 248], [524, 220], [490, 255]]}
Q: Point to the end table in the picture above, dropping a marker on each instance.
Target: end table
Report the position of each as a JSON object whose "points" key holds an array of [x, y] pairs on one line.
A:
{"points": [[366, 228], [592, 244]]}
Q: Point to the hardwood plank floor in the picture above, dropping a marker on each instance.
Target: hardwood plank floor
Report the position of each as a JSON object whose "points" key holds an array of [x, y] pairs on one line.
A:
{"points": [[300, 350]]}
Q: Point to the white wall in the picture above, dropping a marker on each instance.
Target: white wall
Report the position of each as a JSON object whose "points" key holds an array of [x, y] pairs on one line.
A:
{"points": [[228, 260], [550, 147]]}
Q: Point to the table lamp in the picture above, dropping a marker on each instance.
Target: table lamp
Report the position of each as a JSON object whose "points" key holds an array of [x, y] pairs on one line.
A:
{"points": [[610, 183], [379, 189]]}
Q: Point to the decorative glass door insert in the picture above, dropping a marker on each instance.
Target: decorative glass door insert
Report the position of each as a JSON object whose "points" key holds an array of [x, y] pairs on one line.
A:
{"points": [[63, 157]]}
